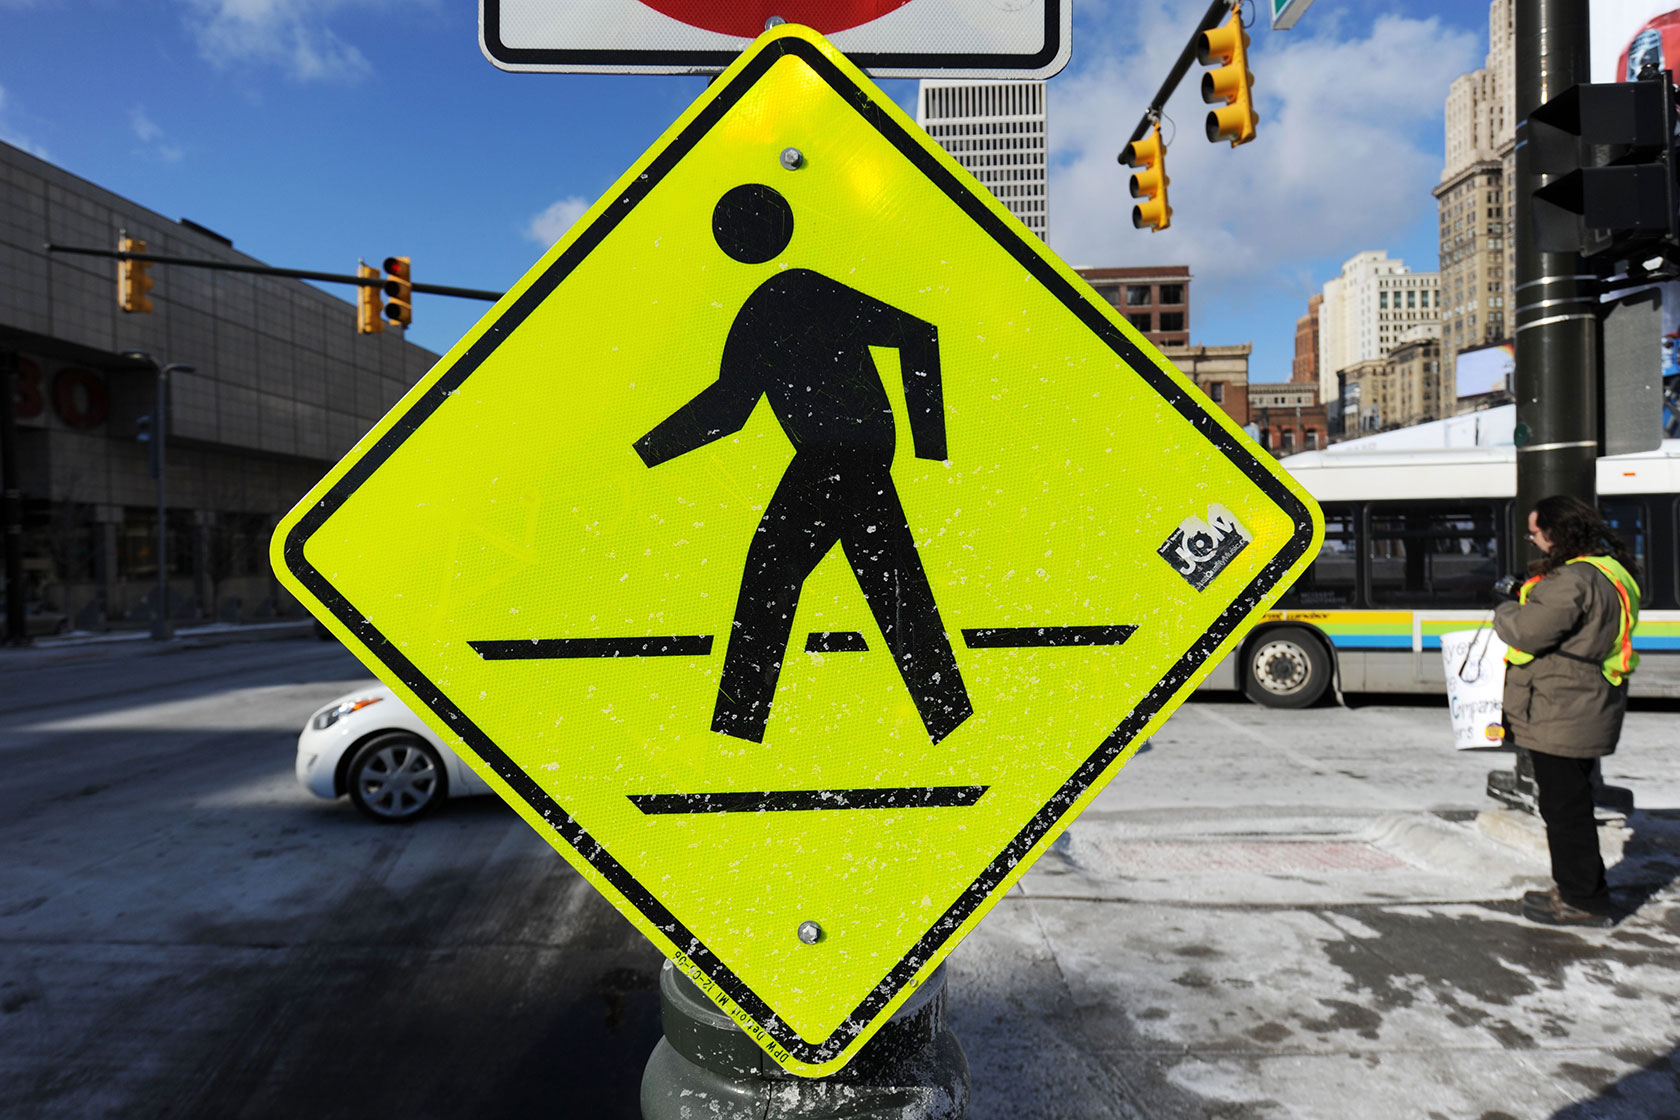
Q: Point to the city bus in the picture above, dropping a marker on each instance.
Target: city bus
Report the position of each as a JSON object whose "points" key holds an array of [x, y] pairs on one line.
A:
{"points": [[1413, 543]]}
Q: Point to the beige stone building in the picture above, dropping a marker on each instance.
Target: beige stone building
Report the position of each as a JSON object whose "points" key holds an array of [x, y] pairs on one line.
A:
{"points": [[1422, 383], [1367, 310], [1477, 209], [1219, 371], [1411, 385]]}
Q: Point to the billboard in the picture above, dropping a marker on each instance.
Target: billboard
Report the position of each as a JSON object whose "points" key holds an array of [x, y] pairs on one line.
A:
{"points": [[1484, 370], [1626, 33]]}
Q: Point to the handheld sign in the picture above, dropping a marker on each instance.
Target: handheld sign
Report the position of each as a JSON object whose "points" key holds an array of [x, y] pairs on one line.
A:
{"points": [[798, 547]]}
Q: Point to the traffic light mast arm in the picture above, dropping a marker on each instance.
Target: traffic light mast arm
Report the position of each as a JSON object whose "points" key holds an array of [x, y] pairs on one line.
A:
{"points": [[1210, 19], [268, 270]]}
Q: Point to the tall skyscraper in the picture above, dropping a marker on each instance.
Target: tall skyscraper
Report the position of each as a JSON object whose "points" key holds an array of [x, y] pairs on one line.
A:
{"points": [[1478, 258], [1368, 310], [997, 131]]}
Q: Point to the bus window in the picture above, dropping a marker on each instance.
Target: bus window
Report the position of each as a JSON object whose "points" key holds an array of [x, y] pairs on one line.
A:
{"points": [[1441, 556], [1627, 519], [1332, 580]]}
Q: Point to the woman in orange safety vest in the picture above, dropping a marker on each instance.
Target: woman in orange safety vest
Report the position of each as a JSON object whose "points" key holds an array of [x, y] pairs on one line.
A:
{"points": [[1570, 629]]}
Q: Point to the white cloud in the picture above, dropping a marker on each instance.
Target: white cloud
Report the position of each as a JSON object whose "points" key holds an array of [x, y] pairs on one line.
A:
{"points": [[148, 133], [1348, 147], [549, 226], [290, 34]]}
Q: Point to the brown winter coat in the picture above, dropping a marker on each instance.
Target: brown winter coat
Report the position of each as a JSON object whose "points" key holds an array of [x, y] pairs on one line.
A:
{"points": [[1560, 703]]}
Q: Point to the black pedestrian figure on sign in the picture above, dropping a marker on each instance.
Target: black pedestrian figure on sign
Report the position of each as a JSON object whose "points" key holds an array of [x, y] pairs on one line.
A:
{"points": [[802, 341]]}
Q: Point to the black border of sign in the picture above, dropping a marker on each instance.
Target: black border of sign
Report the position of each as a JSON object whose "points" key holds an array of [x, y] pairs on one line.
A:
{"points": [[1019, 242], [930, 64]]}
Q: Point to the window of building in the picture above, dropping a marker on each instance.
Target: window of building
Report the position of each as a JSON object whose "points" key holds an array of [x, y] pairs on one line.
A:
{"points": [[1172, 320], [1216, 390], [1433, 556], [1137, 295], [1411, 300], [137, 543], [1288, 440], [1382, 300], [1312, 439], [1172, 293], [1141, 322]]}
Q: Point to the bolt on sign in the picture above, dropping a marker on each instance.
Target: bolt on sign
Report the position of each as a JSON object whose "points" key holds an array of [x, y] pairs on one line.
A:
{"points": [[886, 38], [799, 546]]}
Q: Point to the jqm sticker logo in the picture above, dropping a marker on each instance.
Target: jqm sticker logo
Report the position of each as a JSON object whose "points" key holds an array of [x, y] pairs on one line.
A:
{"points": [[1199, 550]]}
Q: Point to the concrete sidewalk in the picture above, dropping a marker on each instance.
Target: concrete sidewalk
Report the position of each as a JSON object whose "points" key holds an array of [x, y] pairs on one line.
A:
{"points": [[1276, 960]]}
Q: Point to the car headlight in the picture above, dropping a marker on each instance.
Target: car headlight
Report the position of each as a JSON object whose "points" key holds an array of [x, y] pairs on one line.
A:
{"points": [[326, 717]]}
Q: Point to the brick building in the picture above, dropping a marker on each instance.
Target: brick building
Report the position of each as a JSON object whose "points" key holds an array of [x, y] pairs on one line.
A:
{"points": [[282, 386], [1289, 416], [1305, 367], [1219, 371], [1154, 300]]}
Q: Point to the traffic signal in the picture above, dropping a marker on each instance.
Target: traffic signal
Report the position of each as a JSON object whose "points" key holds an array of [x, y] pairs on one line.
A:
{"points": [[399, 291], [132, 281], [369, 319], [1610, 150], [1229, 82], [143, 433], [1149, 183]]}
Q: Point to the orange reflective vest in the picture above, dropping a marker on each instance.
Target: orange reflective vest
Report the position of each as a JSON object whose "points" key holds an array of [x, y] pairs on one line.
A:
{"points": [[1621, 660]]}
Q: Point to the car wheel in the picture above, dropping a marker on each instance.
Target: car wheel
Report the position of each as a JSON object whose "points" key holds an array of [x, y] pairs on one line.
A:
{"points": [[396, 778], [1286, 668]]}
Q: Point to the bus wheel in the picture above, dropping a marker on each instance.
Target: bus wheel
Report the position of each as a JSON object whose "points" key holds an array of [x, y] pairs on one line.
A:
{"points": [[1286, 668]]}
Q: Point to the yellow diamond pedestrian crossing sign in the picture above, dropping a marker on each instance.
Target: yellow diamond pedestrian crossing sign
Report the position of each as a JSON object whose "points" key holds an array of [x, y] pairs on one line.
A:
{"points": [[798, 547]]}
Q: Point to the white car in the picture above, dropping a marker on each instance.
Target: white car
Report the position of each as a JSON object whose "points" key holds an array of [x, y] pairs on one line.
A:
{"points": [[367, 743]]}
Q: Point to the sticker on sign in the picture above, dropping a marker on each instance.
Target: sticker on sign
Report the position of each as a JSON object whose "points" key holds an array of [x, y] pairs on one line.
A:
{"points": [[886, 38]]}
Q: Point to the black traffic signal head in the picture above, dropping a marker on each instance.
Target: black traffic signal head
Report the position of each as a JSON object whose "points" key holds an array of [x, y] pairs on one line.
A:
{"points": [[399, 291], [1609, 148]]}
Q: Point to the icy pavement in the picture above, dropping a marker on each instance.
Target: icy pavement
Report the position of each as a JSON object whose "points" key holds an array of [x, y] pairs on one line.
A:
{"points": [[1262, 957]]}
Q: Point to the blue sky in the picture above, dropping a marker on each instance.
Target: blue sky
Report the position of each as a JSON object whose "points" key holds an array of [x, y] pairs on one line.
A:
{"points": [[314, 132]]}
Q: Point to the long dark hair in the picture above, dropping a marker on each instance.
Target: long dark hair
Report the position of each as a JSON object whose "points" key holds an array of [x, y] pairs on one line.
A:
{"points": [[1576, 529]]}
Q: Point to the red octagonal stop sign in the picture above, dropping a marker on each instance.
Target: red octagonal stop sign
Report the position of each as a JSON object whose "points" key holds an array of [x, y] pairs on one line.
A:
{"points": [[747, 18], [887, 38]]}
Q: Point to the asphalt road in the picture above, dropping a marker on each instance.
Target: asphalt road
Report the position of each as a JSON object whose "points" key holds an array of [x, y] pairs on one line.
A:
{"points": [[185, 933]]}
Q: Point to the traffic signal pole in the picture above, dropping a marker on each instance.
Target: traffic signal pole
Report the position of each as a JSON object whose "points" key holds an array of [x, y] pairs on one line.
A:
{"points": [[11, 503], [1556, 315], [1556, 296]]}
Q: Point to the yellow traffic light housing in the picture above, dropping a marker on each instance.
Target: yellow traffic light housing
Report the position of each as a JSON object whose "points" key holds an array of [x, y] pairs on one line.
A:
{"points": [[1149, 183], [369, 313], [132, 281], [1230, 82], [399, 291]]}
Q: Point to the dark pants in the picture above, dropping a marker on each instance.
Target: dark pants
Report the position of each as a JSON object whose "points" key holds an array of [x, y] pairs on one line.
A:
{"points": [[1566, 805], [821, 500]]}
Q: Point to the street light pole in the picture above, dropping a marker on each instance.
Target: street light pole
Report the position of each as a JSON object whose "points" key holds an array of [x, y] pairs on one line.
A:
{"points": [[162, 631]]}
